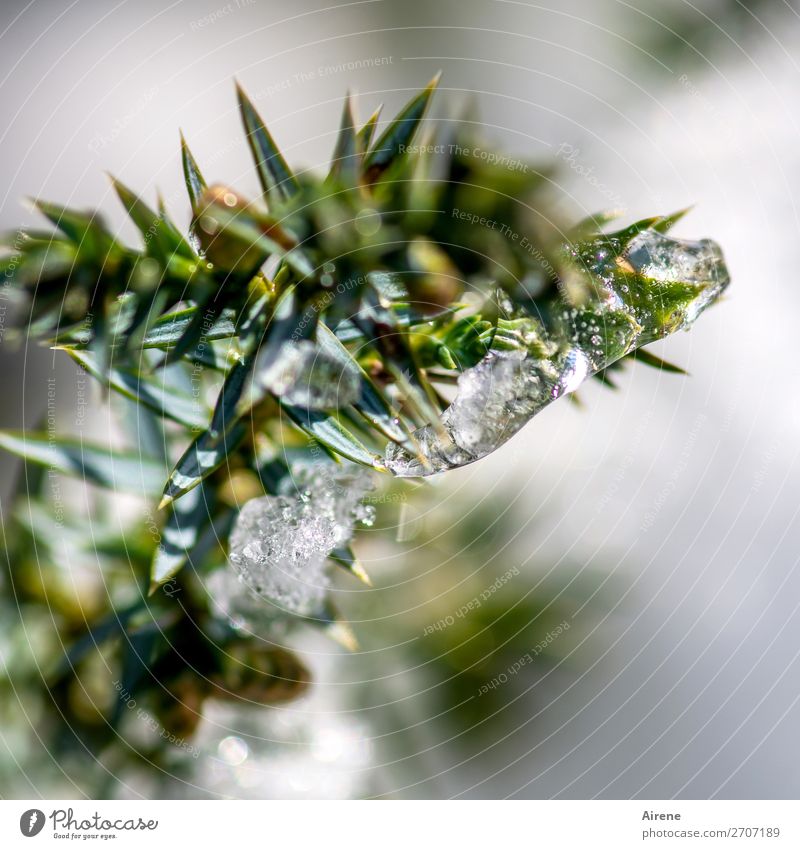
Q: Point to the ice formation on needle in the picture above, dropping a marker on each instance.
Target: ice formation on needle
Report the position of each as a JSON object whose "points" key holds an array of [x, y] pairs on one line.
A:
{"points": [[280, 543], [664, 259], [495, 399], [669, 283]]}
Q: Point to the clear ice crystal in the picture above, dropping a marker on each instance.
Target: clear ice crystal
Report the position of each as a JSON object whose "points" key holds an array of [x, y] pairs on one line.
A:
{"points": [[500, 394], [661, 257], [306, 375], [664, 259], [495, 399], [280, 543]]}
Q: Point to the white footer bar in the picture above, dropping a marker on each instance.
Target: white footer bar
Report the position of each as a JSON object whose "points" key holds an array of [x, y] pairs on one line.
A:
{"points": [[402, 825]]}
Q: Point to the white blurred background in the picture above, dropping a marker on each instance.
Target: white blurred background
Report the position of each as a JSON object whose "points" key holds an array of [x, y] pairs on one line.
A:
{"points": [[675, 499]]}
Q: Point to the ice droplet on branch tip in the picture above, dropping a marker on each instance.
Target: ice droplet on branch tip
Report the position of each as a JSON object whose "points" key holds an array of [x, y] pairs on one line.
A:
{"points": [[500, 394]]}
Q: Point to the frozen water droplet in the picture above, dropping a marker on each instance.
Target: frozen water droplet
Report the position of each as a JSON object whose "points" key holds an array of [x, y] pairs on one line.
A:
{"points": [[575, 371]]}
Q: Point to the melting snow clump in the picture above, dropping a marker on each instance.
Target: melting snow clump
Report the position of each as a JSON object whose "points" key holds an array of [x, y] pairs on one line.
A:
{"points": [[280, 543]]}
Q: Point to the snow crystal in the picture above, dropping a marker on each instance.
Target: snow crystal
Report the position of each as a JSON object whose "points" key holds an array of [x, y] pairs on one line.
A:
{"points": [[280, 543]]}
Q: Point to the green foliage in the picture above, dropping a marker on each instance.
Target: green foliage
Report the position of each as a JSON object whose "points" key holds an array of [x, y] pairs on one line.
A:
{"points": [[401, 266]]}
